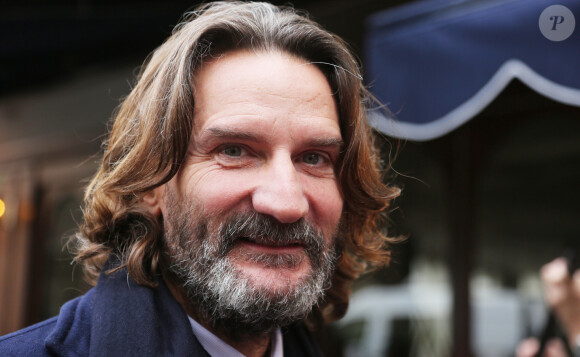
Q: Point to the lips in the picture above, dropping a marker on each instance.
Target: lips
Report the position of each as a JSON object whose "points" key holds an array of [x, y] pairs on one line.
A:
{"points": [[270, 254], [270, 246], [270, 242]]}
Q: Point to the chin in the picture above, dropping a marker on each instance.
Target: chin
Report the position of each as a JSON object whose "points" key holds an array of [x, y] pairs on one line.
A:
{"points": [[276, 279]]}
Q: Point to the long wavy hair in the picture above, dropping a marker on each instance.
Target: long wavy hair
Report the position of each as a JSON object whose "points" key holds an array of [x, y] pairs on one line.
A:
{"points": [[152, 128]]}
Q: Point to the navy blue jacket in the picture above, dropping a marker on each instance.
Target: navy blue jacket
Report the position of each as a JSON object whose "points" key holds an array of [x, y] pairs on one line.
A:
{"points": [[121, 318]]}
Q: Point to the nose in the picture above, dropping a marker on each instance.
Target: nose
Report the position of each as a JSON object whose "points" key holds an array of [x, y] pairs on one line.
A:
{"points": [[279, 192]]}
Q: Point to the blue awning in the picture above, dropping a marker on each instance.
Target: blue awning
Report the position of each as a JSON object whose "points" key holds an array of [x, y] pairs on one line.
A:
{"points": [[436, 64]]}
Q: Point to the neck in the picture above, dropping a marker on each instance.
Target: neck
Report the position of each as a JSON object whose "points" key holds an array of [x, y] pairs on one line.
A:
{"points": [[250, 345]]}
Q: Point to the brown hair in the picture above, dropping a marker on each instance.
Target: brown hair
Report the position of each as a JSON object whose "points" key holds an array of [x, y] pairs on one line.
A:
{"points": [[153, 126]]}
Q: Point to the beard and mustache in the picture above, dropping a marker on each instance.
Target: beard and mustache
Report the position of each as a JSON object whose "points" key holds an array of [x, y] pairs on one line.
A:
{"points": [[199, 252]]}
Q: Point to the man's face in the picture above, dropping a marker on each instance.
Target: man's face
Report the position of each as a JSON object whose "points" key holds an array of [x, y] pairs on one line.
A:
{"points": [[256, 206]]}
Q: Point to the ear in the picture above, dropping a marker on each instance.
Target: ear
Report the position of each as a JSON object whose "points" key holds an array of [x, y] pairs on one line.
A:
{"points": [[153, 199]]}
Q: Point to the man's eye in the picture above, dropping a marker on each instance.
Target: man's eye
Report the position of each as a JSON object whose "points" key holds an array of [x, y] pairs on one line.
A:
{"points": [[233, 151], [311, 158]]}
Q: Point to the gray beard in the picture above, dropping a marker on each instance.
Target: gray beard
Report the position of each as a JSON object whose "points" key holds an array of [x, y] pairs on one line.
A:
{"points": [[220, 293]]}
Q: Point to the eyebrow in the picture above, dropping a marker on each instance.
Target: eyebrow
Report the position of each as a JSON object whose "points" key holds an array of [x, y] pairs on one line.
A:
{"points": [[239, 135], [233, 134], [326, 142]]}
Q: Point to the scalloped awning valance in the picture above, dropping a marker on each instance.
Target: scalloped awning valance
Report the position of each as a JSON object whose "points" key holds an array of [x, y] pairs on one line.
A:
{"points": [[437, 64]]}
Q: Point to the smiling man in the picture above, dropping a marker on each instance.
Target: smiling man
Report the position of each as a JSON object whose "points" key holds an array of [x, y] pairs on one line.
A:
{"points": [[239, 197]]}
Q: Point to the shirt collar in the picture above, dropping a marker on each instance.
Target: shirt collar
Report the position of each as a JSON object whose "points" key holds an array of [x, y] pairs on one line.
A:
{"points": [[216, 347]]}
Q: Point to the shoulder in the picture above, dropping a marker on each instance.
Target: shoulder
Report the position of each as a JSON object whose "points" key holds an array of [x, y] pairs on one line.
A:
{"points": [[29, 341], [65, 334]]}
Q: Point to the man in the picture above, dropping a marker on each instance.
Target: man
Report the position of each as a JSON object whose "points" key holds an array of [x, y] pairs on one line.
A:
{"points": [[238, 197], [562, 293]]}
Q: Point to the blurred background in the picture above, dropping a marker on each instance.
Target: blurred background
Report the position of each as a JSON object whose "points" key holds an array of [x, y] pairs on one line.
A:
{"points": [[486, 100]]}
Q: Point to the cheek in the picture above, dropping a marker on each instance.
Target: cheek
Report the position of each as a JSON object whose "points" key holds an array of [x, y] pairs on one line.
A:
{"points": [[217, 190], [326, 203]]}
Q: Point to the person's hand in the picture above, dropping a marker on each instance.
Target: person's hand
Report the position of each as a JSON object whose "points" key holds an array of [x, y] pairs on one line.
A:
{"points": [[529, 347], [562, 294]]}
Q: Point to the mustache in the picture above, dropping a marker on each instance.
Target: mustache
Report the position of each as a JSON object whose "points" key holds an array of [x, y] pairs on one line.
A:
{"points": [[264, 229]]}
